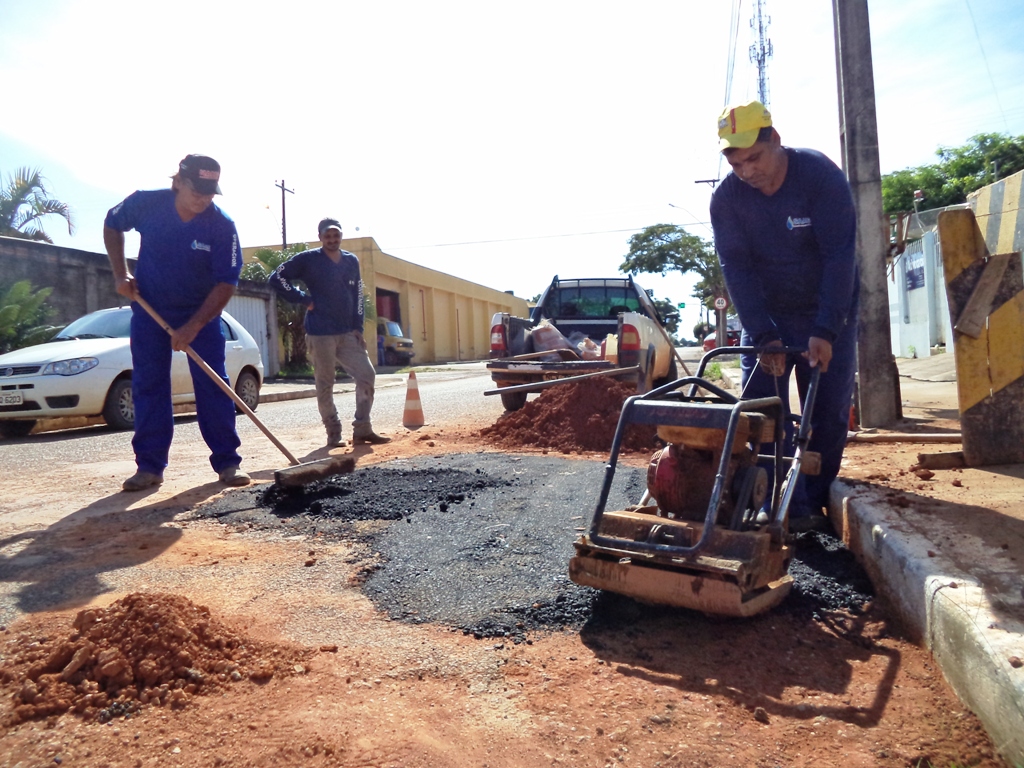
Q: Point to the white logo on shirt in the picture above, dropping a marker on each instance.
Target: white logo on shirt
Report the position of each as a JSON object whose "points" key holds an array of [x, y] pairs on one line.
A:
{"points": [[798, 221], [197, 246]]}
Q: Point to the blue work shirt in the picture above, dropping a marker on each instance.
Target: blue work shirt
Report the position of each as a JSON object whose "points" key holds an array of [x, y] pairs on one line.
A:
{"points": [[179, 261], [790, 254], [336, 290]]}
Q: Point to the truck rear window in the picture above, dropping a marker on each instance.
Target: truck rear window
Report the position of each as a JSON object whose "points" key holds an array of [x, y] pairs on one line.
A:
{"points": [[590, 301]]}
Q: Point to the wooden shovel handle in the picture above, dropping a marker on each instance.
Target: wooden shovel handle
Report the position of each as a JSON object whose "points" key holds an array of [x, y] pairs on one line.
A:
{"points": [[218, 380]]}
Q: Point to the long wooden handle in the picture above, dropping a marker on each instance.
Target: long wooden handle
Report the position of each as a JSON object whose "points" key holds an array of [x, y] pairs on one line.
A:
{"points": [[672, 346], [219, 381], [537, 386]]}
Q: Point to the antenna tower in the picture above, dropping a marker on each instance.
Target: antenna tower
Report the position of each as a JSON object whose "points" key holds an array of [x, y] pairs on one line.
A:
{"points": [[761, 50]]}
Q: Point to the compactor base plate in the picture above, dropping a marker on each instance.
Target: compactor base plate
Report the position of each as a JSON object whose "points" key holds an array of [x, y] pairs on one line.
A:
{"points": [[698, 591]]}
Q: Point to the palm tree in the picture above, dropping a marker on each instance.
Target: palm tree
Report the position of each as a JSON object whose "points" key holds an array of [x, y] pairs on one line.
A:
{"points": [[24, 200], [289, 316], [23, 315]]}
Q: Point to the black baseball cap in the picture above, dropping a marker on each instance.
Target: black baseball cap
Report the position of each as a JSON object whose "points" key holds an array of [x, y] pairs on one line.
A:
{"points": [[326, 224], [203, 172]]}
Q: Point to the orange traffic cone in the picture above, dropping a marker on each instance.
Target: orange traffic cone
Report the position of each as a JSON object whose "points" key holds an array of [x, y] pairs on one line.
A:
{"points": [[413, 416]]}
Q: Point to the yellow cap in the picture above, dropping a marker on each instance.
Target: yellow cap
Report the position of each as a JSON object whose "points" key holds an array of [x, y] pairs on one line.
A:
{"points": [[738, 126]]}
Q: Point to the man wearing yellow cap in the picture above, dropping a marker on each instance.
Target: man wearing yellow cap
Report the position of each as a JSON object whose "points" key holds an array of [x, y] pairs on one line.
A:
{"points": [[785, 232]]}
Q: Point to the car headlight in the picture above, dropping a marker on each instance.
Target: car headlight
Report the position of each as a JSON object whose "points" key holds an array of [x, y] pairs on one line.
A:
{"points": [[69, 367]]}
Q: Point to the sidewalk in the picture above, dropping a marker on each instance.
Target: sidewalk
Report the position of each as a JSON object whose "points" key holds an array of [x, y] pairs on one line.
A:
{"points": [[949, 558], [276, 389]]}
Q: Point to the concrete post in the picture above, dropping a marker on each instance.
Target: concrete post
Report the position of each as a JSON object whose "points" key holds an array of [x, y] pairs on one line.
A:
{"points": [[878, 376]]}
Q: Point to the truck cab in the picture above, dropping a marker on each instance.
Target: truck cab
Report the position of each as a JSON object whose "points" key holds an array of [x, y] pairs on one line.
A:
{"points": [[398, 348]]}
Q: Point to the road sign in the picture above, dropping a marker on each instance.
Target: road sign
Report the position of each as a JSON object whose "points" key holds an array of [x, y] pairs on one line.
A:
{"points": [[682, 305], [721, 302]]}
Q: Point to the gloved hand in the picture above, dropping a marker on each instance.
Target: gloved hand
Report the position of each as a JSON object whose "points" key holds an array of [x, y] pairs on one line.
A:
{"points": [[772, 364]]}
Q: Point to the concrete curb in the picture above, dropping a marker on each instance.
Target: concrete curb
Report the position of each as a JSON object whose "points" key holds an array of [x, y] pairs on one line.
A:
{"points": [[291, 394], [71, 422], [277, 393], [943, 607]]}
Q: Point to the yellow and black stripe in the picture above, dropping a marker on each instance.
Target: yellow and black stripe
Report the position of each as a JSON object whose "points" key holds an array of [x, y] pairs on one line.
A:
{"points": [[990, 366]]}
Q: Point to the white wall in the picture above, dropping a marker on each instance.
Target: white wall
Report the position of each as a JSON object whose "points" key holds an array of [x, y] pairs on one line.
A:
{"points": [[918, 309]]}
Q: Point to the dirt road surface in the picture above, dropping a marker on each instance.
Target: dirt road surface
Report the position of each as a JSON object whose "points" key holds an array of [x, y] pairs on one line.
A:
{"points": [[326, 676]]}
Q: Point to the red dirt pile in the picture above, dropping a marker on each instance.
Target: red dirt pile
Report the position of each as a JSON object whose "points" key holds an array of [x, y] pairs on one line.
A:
{"points": [[572, 418], [154, 649]]}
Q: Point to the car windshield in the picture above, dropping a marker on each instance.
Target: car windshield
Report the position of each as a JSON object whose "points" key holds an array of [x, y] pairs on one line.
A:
{"points": [[98, 325], [393, 329]]}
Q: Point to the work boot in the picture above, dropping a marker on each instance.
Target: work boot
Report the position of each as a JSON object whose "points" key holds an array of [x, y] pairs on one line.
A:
{"points": [[371, 438], [334, 439], [141, 480], [234, 477]]}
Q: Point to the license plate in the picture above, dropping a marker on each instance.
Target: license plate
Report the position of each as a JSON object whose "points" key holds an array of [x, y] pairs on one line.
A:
{"points": [[10, 398]]}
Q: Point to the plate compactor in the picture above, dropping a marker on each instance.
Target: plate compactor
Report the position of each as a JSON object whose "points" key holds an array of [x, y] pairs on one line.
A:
{"points": [[702, 537]]}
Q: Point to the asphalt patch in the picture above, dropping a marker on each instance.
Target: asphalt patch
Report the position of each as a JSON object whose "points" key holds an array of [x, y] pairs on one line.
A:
{"points": [[481, 542]]}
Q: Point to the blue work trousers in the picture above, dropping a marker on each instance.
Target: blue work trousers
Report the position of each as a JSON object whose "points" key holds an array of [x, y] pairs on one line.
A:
{"points": [[830, 419], [151, 392]]}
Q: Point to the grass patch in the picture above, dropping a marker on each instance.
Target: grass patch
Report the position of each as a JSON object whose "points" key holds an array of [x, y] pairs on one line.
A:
{"points": [[296, 372]]}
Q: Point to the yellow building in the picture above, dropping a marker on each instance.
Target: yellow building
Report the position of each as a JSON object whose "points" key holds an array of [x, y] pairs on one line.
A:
{"points": [[448, 318]]}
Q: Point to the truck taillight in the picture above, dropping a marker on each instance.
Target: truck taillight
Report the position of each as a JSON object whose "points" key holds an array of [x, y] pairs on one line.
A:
{"points": [[498, 339], [629, 345], [629, 339]]}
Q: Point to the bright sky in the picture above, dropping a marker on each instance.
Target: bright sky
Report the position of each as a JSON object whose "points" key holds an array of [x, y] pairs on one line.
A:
{"points": [[500, 142]]}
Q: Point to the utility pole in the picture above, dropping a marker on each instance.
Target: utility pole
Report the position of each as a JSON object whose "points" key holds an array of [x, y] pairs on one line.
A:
{"points": [[761, 50], [720, 315], [284, 227], [878, 378]]}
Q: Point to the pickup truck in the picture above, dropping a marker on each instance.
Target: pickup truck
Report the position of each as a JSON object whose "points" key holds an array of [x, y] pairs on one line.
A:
{"points": [[616, 314]]}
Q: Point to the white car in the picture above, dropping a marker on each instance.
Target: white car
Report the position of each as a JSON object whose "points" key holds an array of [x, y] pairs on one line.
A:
{"points": [[86, 370]]}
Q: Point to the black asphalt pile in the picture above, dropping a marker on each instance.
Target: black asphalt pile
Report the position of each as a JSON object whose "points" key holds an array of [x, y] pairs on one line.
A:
{"points": [[378, 493], [826, 576], [481, 542], [334, 507]]}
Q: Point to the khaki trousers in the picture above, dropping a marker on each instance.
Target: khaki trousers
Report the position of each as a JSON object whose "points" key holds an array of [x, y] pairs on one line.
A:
{"points": [[345, 350]]}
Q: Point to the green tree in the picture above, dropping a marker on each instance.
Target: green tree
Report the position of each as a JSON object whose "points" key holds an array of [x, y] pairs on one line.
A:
{"points": [[23, 315], [289, 316], [24, 201], [669, 315], [662, 248], [986, 158]]}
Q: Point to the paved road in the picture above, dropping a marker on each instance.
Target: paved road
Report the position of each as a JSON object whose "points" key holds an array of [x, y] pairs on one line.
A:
{"points": [[58, 477], [448, 396]]}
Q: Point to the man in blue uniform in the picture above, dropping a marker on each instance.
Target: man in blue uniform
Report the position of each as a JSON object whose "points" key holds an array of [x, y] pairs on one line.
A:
{"points": [[785, 232], [334, 327], [187, 269]]}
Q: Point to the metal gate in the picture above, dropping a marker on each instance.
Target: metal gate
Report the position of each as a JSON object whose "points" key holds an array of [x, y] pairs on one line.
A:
{"points": [[251, 313]]}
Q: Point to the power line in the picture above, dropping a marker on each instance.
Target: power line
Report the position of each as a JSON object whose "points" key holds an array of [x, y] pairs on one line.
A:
{"points": [[730, 65], [984, 58], [537, 237]]}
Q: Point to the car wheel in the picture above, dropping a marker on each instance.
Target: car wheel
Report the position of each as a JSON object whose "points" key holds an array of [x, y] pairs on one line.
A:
{"points": [[391, 357], [247, 387], [18, 428], [119, 409], [672, 375], [513, 401]]}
